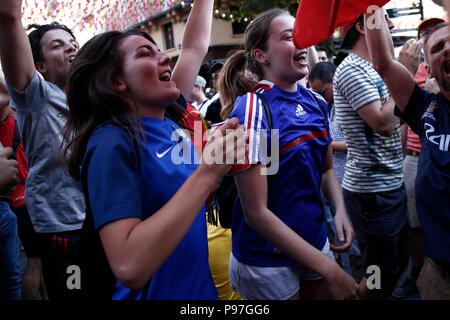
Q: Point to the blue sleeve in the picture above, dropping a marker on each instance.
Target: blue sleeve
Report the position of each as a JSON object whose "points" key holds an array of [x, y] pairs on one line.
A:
{"points": [[110, 171], [324, 110], [418, 103], [249, 110]]}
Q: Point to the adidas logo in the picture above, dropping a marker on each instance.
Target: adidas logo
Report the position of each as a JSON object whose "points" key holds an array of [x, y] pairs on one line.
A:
{"points": [[300, 112]]}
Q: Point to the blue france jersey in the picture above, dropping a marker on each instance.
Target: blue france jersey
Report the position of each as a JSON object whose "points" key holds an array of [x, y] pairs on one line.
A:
{"points": [[428, 115], [117, 190], [294, 191]]}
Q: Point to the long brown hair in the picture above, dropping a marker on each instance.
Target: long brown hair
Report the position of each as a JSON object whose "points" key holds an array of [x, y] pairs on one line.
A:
{"points": [[232, 81], [93, 101]]}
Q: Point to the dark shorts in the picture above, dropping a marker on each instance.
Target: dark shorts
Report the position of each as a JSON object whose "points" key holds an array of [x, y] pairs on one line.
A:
{"points": [[27, 235], [380, 221], [58, 252]]}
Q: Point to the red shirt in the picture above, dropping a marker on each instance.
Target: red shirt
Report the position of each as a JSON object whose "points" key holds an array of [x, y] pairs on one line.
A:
{"points": [[6, 138], [198, 128], [421, 75]]}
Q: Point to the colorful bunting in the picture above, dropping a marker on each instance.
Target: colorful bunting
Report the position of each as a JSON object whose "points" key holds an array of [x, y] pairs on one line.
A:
{"points": [[100, 15]]}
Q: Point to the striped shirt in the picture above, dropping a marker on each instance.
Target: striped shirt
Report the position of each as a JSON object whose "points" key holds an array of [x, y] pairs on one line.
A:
{"points": [[374, 162], [339, 158]]}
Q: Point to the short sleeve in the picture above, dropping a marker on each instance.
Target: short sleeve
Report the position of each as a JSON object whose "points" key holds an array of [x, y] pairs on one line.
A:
{"points": [[324, 111], [250, 112], [110, 176], [357, 86], [31, 98], [418, 102]]}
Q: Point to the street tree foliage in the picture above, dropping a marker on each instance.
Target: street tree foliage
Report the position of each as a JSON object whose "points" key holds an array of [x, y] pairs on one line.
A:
{"points": [[240, 9]]}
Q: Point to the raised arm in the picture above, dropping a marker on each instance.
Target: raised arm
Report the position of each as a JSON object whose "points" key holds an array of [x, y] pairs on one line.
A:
{"points": [[15, 51], [194, 46], [379, 42], [313, 58]]}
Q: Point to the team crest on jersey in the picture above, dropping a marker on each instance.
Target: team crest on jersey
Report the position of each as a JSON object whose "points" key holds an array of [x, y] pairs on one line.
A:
{"points": [[300, 111], [429, 113]]}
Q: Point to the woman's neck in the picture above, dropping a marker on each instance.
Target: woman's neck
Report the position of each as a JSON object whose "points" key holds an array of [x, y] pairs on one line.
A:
{"points": [[151, 112], [285, 84]]}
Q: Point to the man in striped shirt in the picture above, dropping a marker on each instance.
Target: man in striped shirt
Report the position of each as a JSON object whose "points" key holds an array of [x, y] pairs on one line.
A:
{"points": [[373, 187]]}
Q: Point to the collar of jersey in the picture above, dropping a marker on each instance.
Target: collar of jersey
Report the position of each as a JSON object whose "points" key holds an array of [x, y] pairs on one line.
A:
{"points": [[263, 85]]}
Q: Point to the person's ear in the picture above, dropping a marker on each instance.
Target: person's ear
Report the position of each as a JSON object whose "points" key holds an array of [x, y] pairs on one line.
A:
{"points": [[41, 67], [260, 56], [360, 28], [428, 69], [118, 83]]}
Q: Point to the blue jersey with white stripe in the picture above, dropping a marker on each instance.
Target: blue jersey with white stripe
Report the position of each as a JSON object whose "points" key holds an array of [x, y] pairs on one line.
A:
{"points": [[294, 191]]}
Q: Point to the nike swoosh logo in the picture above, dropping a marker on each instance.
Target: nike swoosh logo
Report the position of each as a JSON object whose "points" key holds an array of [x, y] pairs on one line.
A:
{"points": [[160, 155]]}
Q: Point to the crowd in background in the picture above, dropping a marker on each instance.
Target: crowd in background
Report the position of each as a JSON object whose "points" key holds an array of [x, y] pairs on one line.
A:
{"points": [[337, 166]]}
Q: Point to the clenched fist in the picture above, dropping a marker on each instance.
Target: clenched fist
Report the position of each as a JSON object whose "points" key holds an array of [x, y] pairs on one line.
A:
{"points": [[8, 170], [410, 55]]}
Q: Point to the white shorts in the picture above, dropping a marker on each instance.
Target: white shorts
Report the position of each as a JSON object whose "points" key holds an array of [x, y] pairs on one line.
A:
{"points": [[271, 283]]}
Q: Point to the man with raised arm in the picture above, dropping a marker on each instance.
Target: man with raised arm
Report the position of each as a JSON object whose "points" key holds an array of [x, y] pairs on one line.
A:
{"points": [[373, 188], [428, 115], [35, 69]]}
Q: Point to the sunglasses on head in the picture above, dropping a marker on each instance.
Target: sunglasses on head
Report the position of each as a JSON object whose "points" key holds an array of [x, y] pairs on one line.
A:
{"points": [[425, 33]]}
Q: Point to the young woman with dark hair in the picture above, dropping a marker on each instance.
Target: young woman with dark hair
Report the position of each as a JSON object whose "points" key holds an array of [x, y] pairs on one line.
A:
{"points": [[124, 132]]}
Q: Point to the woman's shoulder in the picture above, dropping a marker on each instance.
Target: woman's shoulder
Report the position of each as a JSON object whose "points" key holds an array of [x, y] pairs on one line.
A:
{"points": [[111, 146], [110, 135], [110, 129]]}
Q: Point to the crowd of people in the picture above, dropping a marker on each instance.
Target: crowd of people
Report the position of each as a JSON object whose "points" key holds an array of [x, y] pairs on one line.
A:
{"points": [[114, 163]]}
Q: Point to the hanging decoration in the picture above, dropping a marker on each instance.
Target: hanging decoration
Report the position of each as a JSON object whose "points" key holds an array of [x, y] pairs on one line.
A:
{"points": [[97, 15]]}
